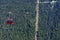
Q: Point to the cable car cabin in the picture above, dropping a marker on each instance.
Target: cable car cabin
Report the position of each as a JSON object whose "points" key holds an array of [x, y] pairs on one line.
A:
{"points": [[10, 21]]}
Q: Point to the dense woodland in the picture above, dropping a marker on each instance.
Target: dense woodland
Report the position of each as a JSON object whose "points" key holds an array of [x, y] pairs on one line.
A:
{"points": [[23, 12]]}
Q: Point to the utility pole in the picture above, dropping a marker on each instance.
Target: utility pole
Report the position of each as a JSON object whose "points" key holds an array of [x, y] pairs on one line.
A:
{"points": [[37, 16]]}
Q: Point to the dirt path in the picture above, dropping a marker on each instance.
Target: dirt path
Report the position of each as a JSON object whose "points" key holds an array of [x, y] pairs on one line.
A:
{"points": [[37, 16]]}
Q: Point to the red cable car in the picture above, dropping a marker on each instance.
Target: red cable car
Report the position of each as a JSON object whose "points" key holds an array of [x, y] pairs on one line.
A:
{"points": [[10, 21]]}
